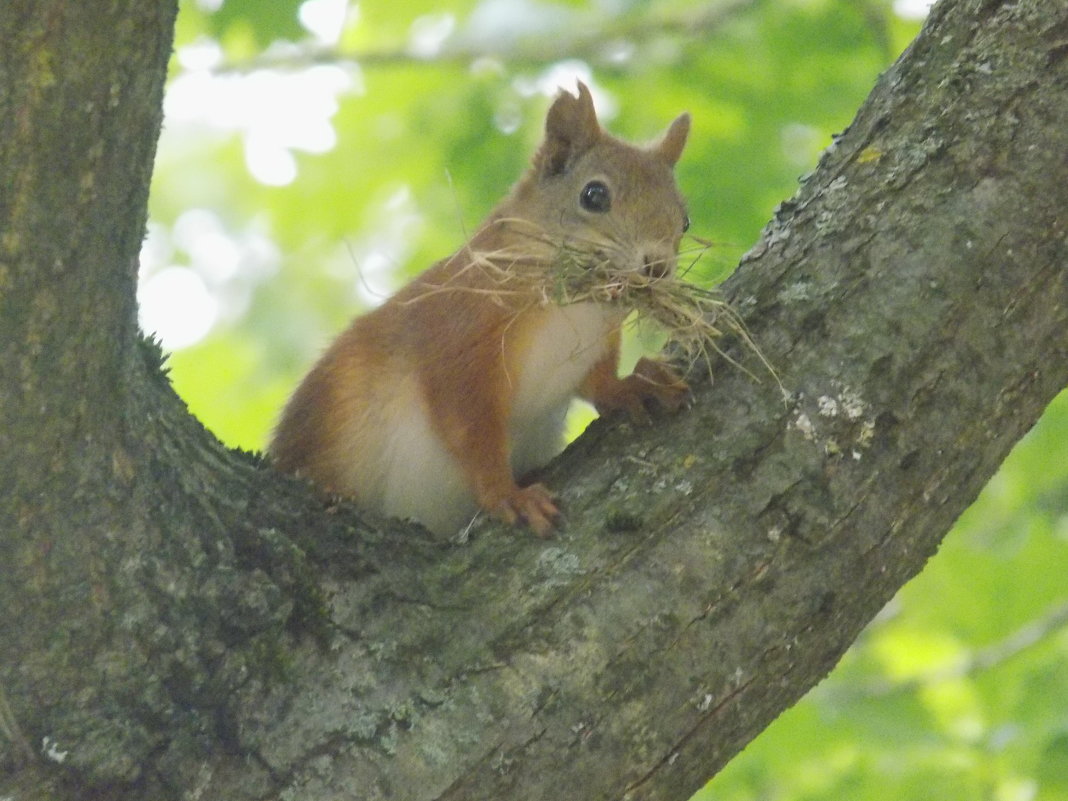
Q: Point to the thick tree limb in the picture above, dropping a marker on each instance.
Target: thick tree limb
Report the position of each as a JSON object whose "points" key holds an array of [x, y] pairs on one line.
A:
{"points": [[912, 296]]}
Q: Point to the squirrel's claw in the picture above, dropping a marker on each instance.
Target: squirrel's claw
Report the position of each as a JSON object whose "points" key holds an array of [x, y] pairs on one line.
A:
{"points": [[652, 384], [533, 505]]}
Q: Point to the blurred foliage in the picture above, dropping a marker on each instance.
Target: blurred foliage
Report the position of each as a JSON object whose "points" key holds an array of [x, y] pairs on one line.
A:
{"points": [[317, 154], [430, 113]]}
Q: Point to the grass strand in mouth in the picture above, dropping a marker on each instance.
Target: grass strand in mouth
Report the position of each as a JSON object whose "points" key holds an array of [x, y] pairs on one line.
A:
{"points": [[581, 271]]}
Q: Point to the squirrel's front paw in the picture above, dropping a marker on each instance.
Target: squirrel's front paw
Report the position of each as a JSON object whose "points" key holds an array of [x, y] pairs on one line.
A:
{"points": [[532, 505], [661, 384], [651, 384]]}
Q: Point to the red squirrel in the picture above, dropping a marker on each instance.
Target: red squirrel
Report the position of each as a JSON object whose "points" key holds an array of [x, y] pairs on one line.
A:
{"points": [[431, 405]]}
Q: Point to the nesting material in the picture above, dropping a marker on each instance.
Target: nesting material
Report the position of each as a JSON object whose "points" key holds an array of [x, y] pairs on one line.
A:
{"points": [[693, 317]]}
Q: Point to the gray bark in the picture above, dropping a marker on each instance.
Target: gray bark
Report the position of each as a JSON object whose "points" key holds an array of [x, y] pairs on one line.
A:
{"points": [[181, 621]]}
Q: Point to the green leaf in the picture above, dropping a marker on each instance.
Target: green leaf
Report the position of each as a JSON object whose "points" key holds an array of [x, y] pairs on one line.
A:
{"points": [[264, 21]]}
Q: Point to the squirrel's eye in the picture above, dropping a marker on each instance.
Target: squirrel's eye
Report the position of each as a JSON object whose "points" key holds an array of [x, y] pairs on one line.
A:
{"points": [[686, 223], [595, 197]]}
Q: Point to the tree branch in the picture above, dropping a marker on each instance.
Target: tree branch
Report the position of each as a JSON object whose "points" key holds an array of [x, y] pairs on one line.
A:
{"points": [[990, 656], [605, 44], [912, 297]]}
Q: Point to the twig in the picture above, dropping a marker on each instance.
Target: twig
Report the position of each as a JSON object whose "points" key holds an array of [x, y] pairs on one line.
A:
{"points": [[9, 728], [981, 659], [577, 41]]}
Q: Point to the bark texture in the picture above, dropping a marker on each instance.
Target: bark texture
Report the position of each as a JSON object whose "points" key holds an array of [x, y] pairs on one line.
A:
{"points": [[180, 621]]}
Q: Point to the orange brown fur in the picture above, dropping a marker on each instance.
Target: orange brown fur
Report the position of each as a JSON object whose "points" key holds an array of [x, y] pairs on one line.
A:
{"points": [[431, 404]]}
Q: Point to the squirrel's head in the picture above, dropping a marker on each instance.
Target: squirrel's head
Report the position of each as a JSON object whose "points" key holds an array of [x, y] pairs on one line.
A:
{"points": [[602, 197]]}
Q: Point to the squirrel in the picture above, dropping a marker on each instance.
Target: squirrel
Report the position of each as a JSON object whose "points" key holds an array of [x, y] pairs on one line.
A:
{"points": [[431, 405]]}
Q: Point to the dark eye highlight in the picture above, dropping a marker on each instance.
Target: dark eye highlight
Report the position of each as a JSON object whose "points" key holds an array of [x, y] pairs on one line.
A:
{"points": [[595, 197], [686, 223]]}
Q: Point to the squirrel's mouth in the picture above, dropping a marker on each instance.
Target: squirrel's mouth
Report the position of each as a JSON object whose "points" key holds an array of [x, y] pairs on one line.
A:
{"points": [[656, 267], [651, 270], [653, 266], [609, 274]]}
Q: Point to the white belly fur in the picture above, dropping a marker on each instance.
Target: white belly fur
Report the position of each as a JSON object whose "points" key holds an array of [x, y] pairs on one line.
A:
{"points": [[417, 478], [569, 341], [423, 481], [404, 469]]}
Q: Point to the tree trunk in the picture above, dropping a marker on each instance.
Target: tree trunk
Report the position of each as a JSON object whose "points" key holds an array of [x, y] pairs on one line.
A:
{"points": [[181, 621]]}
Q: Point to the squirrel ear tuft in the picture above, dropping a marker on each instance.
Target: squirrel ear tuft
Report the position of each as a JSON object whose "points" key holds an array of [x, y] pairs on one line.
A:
{"points": [[571, 128], [670, 146]]}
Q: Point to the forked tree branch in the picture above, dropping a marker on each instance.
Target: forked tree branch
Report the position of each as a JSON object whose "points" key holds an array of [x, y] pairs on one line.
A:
{"points": [[182, 621]]}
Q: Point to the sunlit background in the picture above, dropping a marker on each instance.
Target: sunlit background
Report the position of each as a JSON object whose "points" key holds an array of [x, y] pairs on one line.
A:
{"points": [[315, 155]]}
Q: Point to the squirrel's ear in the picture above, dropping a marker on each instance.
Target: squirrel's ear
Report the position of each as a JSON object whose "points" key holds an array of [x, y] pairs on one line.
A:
{"points": [[670, 147], [571, 128]]}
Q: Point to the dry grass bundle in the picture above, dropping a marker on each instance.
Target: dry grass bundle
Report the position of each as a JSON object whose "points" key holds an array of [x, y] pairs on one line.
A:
{"points": [[693, 317]]}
